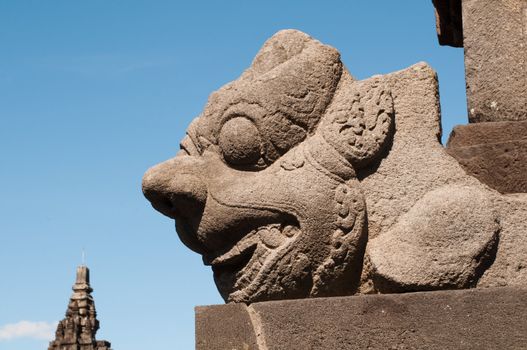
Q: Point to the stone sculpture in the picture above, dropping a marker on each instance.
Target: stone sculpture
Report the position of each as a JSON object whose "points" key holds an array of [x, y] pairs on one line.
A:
{"points": [[299, 181]]}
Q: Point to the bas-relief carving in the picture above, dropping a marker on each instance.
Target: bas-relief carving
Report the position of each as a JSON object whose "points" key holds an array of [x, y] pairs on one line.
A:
{"points": [[298, 181]]}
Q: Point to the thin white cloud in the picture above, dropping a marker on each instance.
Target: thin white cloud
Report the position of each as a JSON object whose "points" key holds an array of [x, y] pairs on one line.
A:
{"points": [[28, 329]]}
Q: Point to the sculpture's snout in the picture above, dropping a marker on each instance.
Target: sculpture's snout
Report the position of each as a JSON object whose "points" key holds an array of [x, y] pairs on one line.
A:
{"points": [[174, 189]]}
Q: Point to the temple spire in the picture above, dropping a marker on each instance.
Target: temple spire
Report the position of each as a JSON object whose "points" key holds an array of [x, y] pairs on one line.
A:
{"points": [[77, 330], [82, 283]]}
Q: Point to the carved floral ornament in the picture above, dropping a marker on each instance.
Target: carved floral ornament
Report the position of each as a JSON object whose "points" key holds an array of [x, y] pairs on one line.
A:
{"points": [[299, 181]]}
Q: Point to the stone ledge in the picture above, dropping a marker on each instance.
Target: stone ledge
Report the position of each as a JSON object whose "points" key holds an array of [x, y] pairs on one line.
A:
{"points": [[493, 318], [493, 152]]}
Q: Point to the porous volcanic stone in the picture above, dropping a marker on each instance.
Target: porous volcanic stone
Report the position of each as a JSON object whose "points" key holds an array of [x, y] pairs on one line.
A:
{"points": [[495, 42], [479, 319], [299, 181], [230, 328], [494, 152], [451, 245]]}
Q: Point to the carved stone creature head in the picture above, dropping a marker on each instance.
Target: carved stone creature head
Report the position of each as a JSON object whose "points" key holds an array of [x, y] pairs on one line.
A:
{"points": [[265, 185]]}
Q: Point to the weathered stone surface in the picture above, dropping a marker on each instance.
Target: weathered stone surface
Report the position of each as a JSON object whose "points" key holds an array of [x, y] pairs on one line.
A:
{"points": [[467, 319], [487, 133], [230, 328], [493, 152], [449, 23], [416, 165], [77, 331], [298, 181], [494, 36], [455, 244], [495, 41], [278, 214]]}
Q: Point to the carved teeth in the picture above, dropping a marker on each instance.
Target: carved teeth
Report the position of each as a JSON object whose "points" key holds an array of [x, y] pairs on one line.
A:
{"points": [[272, 236], [236, 252]]}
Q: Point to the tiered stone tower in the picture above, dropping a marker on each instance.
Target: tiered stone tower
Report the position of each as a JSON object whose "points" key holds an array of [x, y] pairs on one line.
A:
{"points": [[77, 330]]}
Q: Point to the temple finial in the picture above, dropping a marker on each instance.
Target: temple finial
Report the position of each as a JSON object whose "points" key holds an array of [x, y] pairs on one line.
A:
{"points": [[83, 278], [83, 257]]}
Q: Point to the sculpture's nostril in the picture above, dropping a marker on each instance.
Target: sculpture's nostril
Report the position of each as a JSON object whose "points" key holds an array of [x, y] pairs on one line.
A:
{"points": [[174, 193], [187, 195], [154, 189], [160, 201], [178, 195]]}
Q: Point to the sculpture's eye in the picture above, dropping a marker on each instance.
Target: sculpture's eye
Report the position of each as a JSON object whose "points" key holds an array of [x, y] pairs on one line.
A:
{"points": [[240, 142]]}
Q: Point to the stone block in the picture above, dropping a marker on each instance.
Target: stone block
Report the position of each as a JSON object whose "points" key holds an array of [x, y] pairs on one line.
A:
{"points": [[448, 22], [229, 328], [495, 153], [491, 318], [495, 42]]}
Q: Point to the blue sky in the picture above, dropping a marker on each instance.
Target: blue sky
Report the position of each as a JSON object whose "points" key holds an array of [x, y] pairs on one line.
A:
{"points": [[92, 93]]}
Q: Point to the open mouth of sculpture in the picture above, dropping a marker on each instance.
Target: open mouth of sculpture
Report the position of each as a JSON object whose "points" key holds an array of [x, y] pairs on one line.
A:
{"points": [[241, 268]]}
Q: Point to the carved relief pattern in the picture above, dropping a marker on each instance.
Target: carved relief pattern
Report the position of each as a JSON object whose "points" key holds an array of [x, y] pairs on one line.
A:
{"points": [[360, 122], [266, 186]]}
